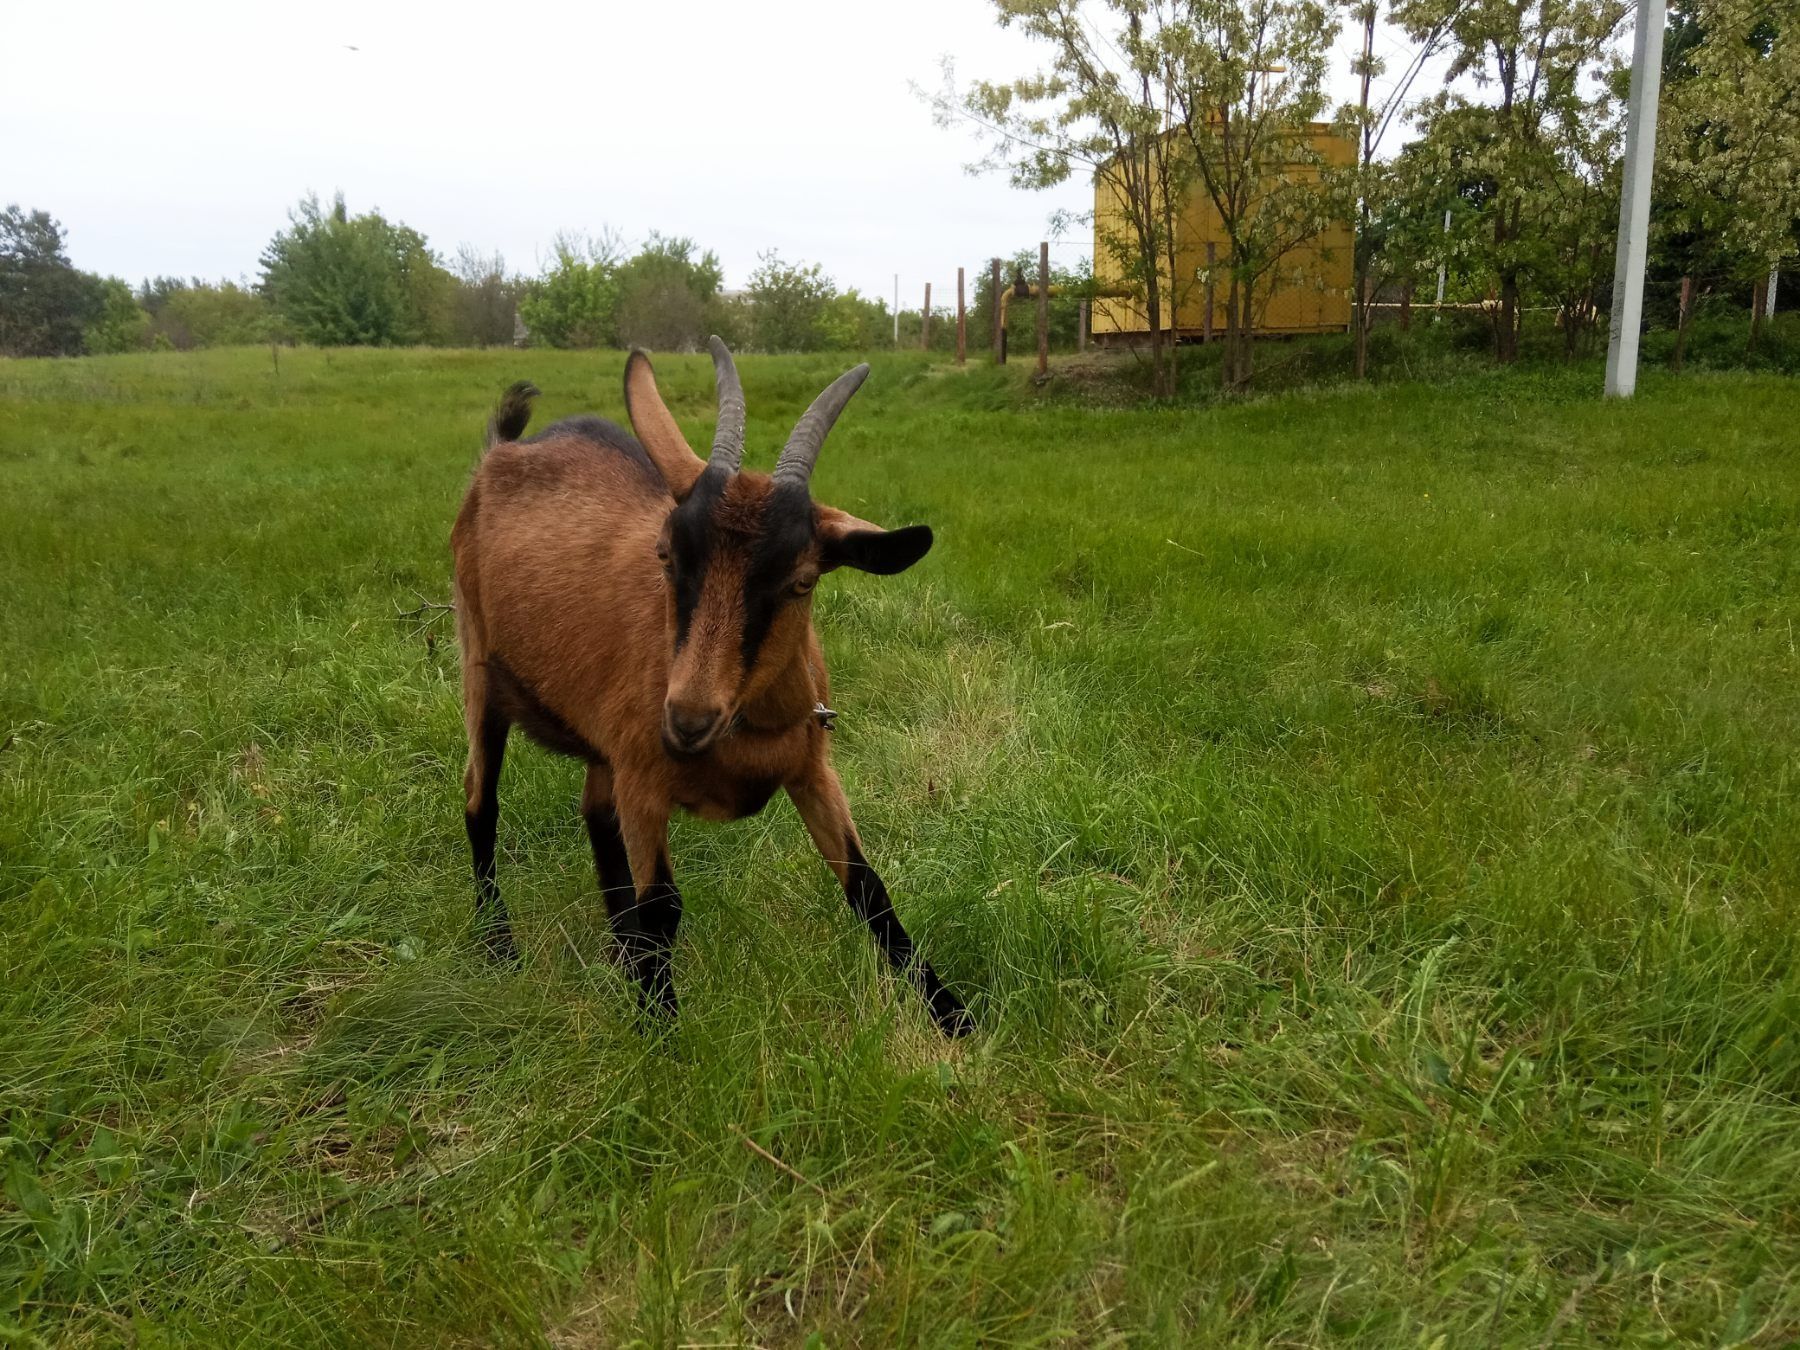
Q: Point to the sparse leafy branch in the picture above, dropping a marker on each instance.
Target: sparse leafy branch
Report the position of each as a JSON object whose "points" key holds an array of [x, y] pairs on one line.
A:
{"points": [[424, 617], [1101, 107], [1729, 142], [1248, 81], [1541, 111]]}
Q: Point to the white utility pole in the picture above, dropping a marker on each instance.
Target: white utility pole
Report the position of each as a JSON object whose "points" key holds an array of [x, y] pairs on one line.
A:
{"points": [[1769, 303], [1444, 262], [1634, 201]]}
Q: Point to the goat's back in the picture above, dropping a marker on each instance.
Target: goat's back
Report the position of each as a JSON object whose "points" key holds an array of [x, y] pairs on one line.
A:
{"points": [[557, 574]]}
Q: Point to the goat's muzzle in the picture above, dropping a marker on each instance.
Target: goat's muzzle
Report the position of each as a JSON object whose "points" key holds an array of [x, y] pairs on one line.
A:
{"points": [[689, 730]]}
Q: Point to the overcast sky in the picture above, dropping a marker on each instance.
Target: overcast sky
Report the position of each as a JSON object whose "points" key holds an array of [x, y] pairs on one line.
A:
{"points": [[171, 139]]}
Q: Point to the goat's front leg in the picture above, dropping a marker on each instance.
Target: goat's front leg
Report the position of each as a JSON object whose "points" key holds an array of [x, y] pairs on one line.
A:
{"points": [[645, 917], [599, 812], [820, 801]]}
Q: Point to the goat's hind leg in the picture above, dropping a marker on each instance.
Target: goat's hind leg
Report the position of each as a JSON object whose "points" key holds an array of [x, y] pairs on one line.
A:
{"points": [[488, 729]]}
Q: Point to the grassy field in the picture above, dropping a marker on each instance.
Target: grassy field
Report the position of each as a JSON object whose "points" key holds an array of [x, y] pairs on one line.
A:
{"points": [[1364, 823]]}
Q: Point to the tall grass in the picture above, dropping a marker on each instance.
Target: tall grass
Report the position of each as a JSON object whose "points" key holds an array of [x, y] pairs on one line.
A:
{"points": [[1363, 821]]}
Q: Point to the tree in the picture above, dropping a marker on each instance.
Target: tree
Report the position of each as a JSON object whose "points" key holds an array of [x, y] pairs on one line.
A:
{"points": [[666, 294], [1101, 107], [1730, 141], [1366, 66], [574, 302], [1541, 58], [46, 303], [788, 303], [189, 314], [486, 299], [119, 325], [659, 313], [1405, 239], [1568, 213], [853, 322], [362, 281], [1167, 98], [1248, 80], [1575, 256], [664, 297]]}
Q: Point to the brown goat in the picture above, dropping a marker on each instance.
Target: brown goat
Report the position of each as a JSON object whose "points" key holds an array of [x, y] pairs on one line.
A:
{"points": [[626, 604]]}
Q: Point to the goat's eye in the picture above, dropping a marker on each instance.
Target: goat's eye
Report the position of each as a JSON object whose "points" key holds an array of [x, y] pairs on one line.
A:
{"points": [[804, 586]]}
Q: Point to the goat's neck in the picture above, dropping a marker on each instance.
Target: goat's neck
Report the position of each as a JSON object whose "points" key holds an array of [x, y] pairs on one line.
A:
{"points": [[788, 700]]}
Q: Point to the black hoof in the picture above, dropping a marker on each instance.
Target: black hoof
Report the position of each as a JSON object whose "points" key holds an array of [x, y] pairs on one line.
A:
{"points": [[655, 1016], [947, 1010], [497, 941]]}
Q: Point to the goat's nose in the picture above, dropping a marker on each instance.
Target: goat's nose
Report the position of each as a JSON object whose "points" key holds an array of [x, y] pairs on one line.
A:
{"points": [[690, 726]]}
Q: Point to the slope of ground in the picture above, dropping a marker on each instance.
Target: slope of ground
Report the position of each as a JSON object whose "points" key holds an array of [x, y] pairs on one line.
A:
{"points": [[1364, 823]]}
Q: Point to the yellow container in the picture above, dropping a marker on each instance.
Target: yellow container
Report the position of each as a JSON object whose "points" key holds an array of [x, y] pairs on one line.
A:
{"points": [[1308, 291]]}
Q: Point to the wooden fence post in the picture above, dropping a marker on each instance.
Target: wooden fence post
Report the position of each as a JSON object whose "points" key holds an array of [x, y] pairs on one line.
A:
{"points": [[962, 333], [1043, 316], [925, 321], [1081, 327], [999, 333]]}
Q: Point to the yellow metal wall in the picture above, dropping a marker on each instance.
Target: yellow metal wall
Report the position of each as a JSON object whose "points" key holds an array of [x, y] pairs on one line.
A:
{"points": [[1311, 292]]}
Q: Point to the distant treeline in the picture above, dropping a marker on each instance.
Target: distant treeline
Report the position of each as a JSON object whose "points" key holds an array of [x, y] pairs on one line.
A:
{"points": [[335, 279]]}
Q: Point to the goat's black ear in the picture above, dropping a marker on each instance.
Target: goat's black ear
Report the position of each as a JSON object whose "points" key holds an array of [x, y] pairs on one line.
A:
{"points": [[845, 541]]}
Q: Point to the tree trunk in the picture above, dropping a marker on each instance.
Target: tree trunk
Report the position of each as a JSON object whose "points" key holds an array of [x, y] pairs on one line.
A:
{"points": [[1362, 281], [1506, 325], [1206, 319], [1360, 317], [1684, 316], [1759, 297], [1506, 330], [1153, 308], [1172, 356], [1238, 365], [1228, 363]]}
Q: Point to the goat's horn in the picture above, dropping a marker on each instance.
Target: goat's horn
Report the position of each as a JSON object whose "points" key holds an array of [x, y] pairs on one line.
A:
{"points": [[728, 437], [802, 449]]}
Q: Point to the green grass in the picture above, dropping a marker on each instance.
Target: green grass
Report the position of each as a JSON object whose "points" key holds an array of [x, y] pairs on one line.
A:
{"points": [[1364, 822]]}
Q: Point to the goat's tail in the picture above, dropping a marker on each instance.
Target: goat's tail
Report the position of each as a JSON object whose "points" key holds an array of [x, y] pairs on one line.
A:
{"points": [[509, 419]]}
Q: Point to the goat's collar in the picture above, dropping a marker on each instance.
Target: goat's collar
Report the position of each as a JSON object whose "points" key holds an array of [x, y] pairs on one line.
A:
{"points": [[825, 717], [791, 701]]}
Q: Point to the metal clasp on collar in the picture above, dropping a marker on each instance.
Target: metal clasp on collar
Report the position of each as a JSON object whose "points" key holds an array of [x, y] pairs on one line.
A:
{"points": [[827, 716]]}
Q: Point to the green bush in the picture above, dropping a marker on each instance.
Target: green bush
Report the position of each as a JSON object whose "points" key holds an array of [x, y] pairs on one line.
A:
{"points": [[184, 315], [338, 280], [120, 326]]}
